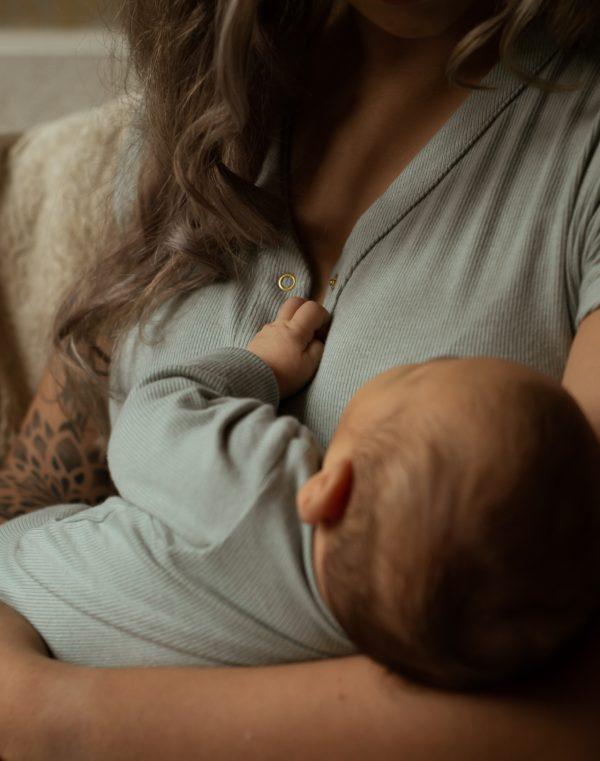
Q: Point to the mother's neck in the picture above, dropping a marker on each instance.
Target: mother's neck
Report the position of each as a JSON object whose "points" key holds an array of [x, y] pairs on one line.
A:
{"points": [[355, 50]]}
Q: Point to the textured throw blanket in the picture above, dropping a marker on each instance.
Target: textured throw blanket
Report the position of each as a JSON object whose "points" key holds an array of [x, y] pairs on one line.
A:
{"points": [[56, 186]]}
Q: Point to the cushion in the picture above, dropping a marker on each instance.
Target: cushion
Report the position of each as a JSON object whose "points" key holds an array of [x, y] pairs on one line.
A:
{"points": [[57, 183]]}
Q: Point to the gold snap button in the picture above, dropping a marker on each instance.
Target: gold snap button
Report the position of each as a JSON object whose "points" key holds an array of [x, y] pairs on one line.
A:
{"points": [[332, 282], [287, 281]]}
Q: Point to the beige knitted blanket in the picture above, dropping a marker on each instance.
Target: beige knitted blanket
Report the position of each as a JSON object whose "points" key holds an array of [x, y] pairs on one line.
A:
{"points": [[56, 185]]}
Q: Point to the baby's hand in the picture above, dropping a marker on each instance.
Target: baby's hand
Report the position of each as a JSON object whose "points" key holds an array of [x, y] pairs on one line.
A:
{"points": [[288, 345]]}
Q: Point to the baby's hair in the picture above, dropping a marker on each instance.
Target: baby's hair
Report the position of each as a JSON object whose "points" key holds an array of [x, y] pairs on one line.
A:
{"points": [[441, 576]]}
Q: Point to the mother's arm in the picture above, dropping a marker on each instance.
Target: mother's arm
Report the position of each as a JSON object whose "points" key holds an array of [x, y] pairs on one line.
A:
{"points": [[346, 709], [582, 373]]}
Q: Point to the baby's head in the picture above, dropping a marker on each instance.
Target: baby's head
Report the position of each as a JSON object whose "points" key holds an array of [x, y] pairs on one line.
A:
{"points": [[457, 520]]}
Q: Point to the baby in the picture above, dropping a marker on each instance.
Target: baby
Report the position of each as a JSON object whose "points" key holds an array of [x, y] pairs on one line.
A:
{"points": [[455, 513], [458, 521]]}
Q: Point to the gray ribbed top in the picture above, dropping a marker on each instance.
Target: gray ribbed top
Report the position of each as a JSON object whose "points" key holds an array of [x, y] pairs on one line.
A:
{"points": [[487, 243]]}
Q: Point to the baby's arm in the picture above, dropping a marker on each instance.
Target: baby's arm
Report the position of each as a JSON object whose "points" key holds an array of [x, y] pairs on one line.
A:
{"points": [[193, 446], [205, 435]]}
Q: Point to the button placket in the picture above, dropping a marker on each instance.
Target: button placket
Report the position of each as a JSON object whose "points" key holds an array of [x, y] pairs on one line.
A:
{"points": [[292, 275], [287, 282]]}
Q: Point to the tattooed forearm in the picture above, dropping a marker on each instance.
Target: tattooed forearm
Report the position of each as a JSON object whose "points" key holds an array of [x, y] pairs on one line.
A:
{"points": [[76, 421], [50, 465]]}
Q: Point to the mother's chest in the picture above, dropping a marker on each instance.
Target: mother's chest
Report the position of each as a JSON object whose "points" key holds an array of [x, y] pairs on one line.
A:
{"points": [[435, 288], [405, 304]]}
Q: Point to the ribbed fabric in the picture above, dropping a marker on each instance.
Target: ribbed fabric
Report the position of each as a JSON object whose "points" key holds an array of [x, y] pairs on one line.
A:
{"points": [[201, 559], [487, 243]]}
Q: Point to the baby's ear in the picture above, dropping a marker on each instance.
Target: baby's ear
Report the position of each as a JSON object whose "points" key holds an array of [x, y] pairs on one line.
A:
{"points": [[324, 497]]}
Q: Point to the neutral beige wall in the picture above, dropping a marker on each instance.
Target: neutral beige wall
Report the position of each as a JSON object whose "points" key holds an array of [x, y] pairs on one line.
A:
{"points": [[55, 58], [50, 72], [55, 12]]}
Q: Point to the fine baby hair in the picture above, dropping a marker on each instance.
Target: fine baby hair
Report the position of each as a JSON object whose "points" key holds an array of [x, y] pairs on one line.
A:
{"points": [[468, 553]]}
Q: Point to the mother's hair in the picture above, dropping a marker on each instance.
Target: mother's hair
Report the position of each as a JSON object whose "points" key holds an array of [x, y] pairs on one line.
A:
{"points": [[215, 77]]}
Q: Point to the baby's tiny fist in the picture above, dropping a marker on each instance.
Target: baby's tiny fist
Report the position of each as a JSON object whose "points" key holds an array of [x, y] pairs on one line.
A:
{"points": [[288, 345]]}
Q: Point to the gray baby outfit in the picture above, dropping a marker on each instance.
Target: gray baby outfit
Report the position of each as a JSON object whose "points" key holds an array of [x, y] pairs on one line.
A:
{"points": [[201, 559]]}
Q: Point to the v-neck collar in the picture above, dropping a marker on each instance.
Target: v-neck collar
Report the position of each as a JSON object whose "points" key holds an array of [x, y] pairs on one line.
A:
{"points": [[534, 49]]}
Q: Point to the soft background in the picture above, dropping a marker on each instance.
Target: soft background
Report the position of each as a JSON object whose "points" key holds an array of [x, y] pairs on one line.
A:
{"points": [[55, 57], [61, 96], [54, 12]]}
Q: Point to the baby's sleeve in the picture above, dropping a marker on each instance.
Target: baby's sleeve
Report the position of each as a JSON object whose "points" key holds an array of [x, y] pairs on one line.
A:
{"points": [[195, 444]]}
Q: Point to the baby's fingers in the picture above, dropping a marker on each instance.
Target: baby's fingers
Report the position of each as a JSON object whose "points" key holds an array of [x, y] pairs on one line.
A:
{"points": [[289, 308], [309, 318], [315, 351]]}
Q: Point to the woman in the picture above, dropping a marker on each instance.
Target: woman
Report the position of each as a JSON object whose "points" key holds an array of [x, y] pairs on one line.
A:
{"points": [[429, 218]]}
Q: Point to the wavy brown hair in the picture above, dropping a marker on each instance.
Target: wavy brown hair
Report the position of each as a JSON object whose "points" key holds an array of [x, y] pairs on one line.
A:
{"points": [[215, 78]]}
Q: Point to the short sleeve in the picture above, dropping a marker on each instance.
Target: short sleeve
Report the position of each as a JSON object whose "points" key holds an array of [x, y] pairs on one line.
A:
{"points": [[589, 287], [583, 269]]}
